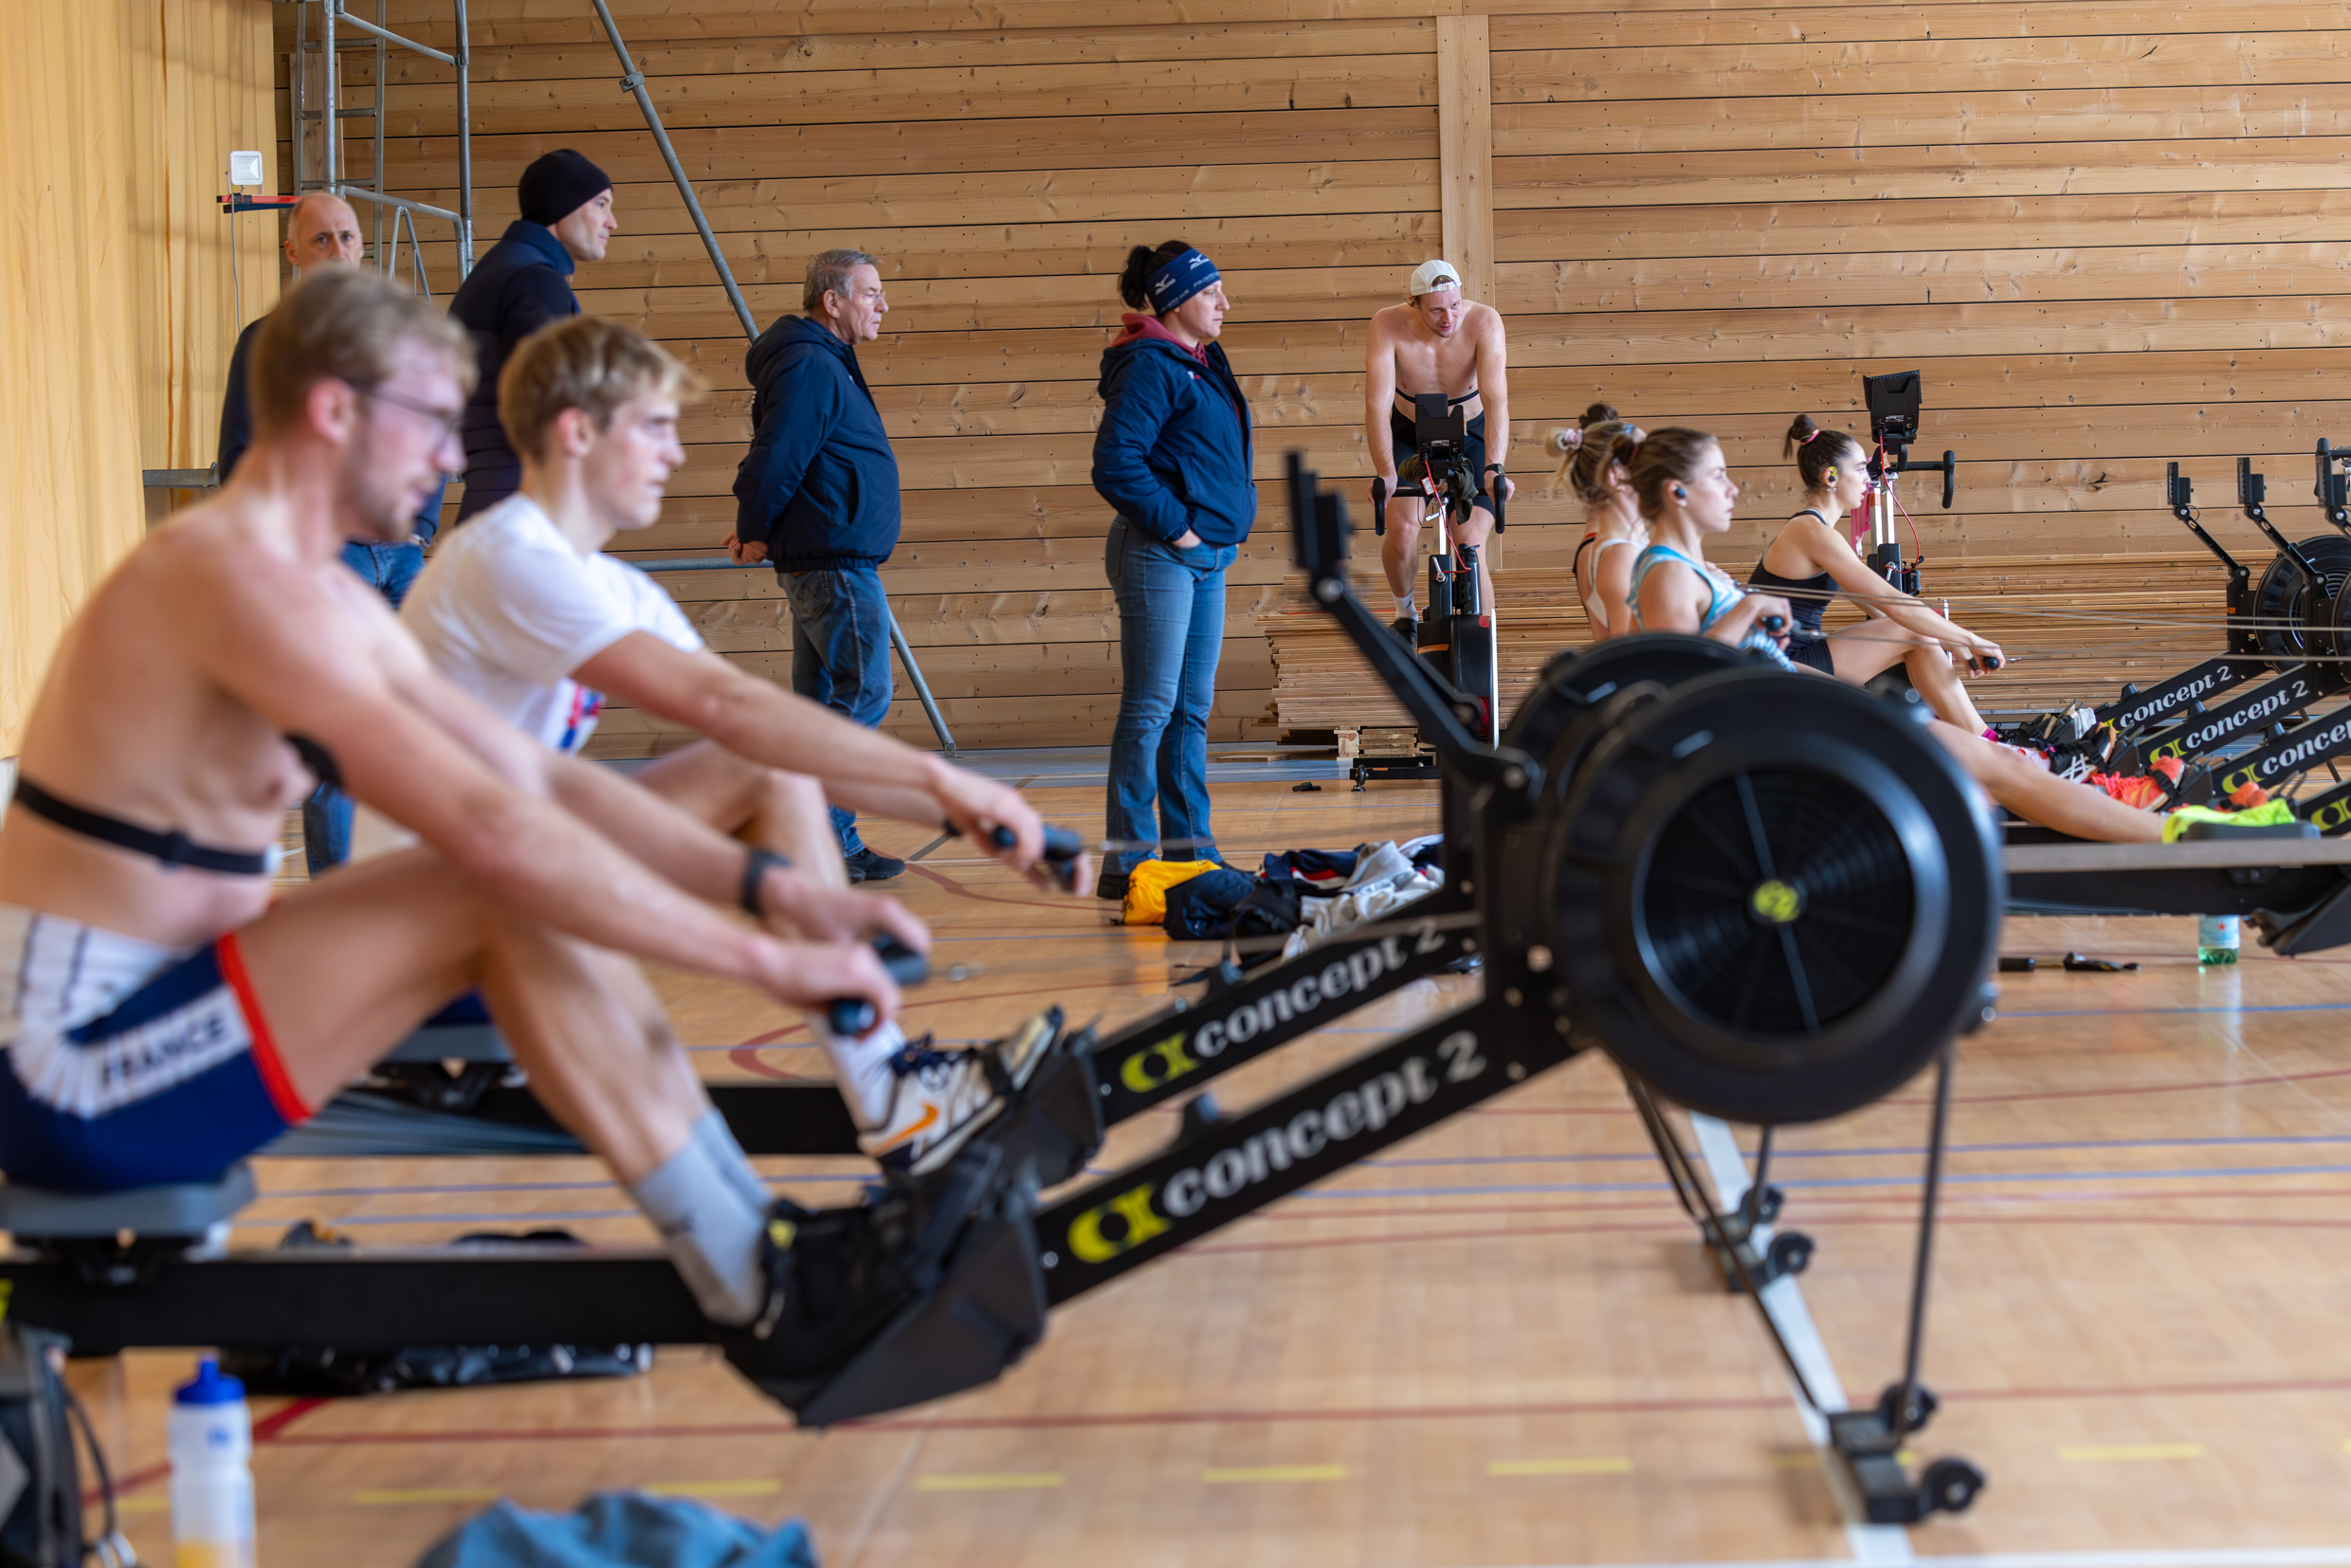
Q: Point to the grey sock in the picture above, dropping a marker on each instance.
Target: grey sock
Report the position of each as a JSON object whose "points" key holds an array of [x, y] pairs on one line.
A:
{"points": [[711, 1210]]}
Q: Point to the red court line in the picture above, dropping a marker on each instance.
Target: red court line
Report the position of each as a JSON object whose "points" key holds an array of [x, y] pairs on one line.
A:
{"points": [[774, 1037], [269, 1429], [1081, 1419], [1062, 905]]}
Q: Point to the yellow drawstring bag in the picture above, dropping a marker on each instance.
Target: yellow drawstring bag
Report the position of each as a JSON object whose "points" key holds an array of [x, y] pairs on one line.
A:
{"points": [[1147, 886]]}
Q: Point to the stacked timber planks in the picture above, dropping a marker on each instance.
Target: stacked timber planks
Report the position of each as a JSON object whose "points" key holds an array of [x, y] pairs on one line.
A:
{"points": [[2077, 628]]}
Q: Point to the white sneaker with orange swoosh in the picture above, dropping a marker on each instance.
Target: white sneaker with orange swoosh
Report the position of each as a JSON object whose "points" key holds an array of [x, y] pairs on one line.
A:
{"points": [[942, 1097]]}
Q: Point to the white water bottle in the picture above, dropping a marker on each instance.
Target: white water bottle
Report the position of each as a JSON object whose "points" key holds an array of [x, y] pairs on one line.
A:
{"points": [[211, 1472]]}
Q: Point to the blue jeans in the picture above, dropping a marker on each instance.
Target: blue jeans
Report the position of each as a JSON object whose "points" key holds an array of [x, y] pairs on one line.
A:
{"points": [[841, 652], [1170, 632], [326, 815]]}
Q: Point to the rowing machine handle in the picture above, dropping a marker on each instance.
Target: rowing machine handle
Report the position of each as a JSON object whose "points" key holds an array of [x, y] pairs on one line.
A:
{"points": [[1501, 522], [1379, 505], [1950, 479], [1062, 848], [853, 1018]]}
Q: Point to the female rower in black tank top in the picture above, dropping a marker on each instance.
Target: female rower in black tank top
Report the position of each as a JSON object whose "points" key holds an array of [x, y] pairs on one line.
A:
{"points": [[1812, 560]]}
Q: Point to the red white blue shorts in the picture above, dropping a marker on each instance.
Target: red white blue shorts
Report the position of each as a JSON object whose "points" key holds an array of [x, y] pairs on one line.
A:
{"points": [[123, 1064]]}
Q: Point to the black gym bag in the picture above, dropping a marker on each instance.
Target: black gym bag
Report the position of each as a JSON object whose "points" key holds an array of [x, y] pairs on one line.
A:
{"points": [[39, 1479]]}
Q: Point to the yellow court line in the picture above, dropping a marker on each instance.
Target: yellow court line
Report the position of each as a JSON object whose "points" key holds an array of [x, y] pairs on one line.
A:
{"points": [[431, 1494], [2127, 1452], [714, 1489], [142, 1505], [1559, 1466], [1275, 1472], [1014, 1481]]}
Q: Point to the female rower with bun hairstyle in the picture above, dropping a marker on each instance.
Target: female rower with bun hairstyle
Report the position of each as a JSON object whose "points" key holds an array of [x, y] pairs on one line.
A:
{"points": [[1613, 532], [1812, 560], [1685, 491]]}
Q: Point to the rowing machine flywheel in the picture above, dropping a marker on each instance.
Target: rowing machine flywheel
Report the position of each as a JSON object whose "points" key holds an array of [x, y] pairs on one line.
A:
{"points": [[2293, 619], [1774, 896]]}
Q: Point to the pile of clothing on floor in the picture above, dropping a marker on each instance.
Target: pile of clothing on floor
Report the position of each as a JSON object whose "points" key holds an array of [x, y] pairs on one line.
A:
{"points": [[1305, 895]]}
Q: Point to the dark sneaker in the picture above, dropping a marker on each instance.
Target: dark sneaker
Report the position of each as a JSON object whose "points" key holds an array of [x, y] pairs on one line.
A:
{"points": [[868, 866], [834, 1278], [1111, 885], [1407, 628]]}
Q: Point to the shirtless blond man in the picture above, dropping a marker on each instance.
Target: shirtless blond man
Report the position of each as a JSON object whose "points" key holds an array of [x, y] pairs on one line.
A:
{"points": [[167, 1018], [1436, 341], [523, 610]]}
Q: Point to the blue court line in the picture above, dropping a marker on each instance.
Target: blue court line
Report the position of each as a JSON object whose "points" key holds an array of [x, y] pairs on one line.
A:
{"points": [[1509, 1190], [2136, 1011], [1914, 1151], [428, 1189]]}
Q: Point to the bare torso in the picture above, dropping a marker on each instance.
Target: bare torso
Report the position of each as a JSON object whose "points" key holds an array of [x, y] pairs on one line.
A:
{"points": [[1425, 362], [132, 724]]}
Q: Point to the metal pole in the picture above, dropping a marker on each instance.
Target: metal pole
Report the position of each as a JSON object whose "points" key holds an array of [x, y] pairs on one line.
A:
{"points": [[922, 687], [327, 122], [898, 637], [463, 59], [383, 68], [633, 80]]}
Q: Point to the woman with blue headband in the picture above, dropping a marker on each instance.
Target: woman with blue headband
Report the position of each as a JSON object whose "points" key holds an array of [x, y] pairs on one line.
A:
{"points": [[1172, 457]]}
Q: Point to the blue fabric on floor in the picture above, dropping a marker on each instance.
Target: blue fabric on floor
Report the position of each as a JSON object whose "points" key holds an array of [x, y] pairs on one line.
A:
{"points": [[1202, 906], [621, 1530]]}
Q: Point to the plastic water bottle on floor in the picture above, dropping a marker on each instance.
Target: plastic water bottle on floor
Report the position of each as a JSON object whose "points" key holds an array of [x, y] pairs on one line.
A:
{"points": [[211, 1472], [2216, 938]]}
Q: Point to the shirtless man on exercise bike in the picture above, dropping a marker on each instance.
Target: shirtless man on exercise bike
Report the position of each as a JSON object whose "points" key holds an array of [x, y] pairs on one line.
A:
{"points": [[166, 1018], [1436, 341]]}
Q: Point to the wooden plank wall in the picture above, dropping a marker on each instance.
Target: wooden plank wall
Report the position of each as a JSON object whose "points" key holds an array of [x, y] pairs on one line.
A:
{"points": [[1001, 160], [2109, 236]]}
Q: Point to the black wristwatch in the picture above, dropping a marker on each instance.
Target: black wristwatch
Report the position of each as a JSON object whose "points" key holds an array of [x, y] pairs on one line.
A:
{"points": [[756, 866]]}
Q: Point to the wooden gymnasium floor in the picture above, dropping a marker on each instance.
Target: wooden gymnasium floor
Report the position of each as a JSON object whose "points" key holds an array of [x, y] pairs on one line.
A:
{"points": [[1499, 1346]]}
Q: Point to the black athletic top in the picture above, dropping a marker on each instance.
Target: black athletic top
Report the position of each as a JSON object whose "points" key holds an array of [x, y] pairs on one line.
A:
{"points": [[1808, 597]]}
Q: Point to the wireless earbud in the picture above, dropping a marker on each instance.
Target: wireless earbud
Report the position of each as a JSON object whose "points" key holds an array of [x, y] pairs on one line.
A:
{"points": [[1829, 477], [1680, 494]]}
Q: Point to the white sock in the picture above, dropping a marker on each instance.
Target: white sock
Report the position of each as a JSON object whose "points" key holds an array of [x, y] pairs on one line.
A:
{"points": [[711, 1208], [862, 1069], [1404, 605]]}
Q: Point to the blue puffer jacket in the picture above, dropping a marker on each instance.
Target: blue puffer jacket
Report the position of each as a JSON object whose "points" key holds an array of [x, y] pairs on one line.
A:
{"points": [[819, 485], [1173, 452]]}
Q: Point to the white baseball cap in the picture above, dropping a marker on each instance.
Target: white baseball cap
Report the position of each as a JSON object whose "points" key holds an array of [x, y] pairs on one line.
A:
{"points": [[1430, 276]]}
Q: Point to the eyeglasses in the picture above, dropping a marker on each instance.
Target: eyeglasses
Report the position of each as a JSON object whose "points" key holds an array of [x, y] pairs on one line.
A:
{"points": [[445, 420]]}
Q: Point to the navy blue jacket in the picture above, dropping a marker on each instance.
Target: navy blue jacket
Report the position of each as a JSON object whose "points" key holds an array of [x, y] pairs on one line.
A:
{"points": [[819, 487], [1173, 451], [520, 284], [236, 432]]}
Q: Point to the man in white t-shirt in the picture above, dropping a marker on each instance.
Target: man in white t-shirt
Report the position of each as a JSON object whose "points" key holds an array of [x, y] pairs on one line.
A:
{"points": [[521, 609]]}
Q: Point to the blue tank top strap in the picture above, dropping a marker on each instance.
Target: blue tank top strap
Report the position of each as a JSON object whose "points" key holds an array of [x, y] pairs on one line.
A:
{"points": [[1725, 598]]}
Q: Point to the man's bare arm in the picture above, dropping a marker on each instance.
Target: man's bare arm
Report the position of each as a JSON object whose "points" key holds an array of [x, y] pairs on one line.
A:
{"points": [[1494, 387], [268, 634], [1379, 379], [764, 723]]}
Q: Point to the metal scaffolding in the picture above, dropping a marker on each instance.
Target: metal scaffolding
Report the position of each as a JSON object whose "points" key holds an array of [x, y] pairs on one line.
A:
{"points": [[329, 46]]}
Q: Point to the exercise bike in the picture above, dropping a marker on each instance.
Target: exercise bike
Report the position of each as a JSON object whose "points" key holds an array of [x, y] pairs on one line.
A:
{"points": [[1456, 638]]}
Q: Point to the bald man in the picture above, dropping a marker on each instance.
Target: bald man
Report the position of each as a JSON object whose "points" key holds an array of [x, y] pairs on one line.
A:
{"points": [[324, 231]]}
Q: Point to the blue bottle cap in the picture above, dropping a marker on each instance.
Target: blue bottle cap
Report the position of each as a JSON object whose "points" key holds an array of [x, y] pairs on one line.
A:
{"points": [[211, 1387]]}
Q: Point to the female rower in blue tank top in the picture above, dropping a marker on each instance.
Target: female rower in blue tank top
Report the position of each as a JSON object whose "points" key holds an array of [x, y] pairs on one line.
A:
{"points": [[1812, 560], [1685, 491]]}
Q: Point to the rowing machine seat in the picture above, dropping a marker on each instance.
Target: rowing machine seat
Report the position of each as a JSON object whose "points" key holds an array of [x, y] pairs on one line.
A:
{"points": [[177, 1209]]}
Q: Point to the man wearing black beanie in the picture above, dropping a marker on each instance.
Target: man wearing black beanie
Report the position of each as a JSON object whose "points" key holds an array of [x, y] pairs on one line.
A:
{"points": [[520, 284]]}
